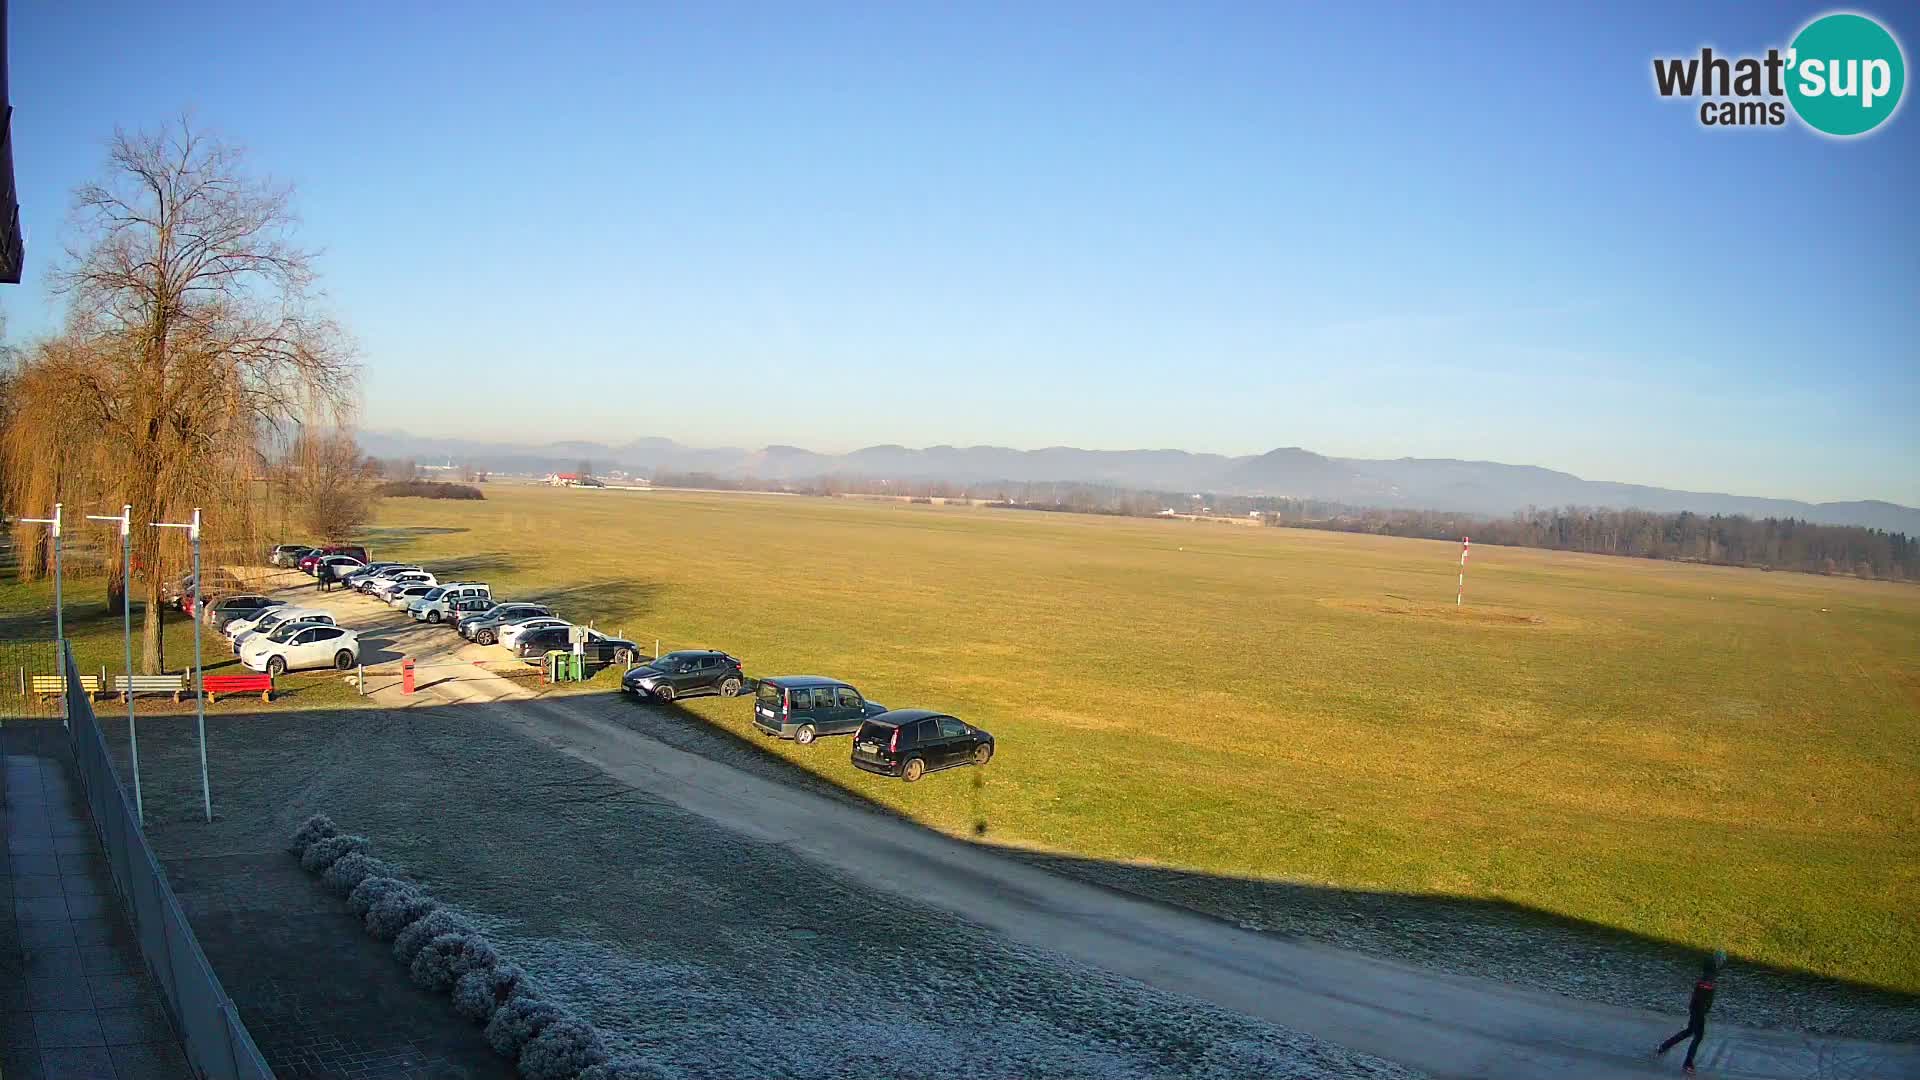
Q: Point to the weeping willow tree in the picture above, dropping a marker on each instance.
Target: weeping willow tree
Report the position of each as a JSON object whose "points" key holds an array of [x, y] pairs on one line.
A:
{"points": [[190, 339]]}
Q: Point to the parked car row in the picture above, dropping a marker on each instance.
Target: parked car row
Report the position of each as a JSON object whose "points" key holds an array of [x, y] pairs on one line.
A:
{"points": [[905, 743], [276, 637]]}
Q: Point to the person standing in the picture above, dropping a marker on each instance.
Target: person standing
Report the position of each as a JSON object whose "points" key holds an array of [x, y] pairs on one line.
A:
{"points": [[1697, 1008], [323, 577]]}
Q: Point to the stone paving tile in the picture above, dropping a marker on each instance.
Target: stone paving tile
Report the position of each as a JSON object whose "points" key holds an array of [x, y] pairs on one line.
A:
{"points": [[75, 1000]]}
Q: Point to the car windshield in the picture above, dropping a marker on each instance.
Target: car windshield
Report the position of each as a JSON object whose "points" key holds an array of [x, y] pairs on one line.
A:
{"points": [[434, 594], [286, 630]]}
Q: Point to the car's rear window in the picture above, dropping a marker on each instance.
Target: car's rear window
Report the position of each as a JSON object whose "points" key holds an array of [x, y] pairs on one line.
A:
{"points": [[770, 694], [872, 732]]}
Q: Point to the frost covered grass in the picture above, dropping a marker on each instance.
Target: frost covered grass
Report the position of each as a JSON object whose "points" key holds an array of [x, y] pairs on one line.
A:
{"points": [[985, 1010], [442, 951]]}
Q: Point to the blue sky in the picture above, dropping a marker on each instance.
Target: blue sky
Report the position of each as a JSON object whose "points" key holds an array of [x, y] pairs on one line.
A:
{"points": [[1369, 230]]}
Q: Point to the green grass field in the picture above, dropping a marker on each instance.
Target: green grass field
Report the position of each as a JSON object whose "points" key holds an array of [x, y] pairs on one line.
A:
{"points": [[1703, 755]]}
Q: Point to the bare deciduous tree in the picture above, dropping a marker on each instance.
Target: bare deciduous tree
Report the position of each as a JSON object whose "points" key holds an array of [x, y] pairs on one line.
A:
{"points": [[189, 339], [329, 483]]}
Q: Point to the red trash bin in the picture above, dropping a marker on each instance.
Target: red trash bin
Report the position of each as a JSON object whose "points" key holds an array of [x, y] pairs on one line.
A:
{"points": [[406, 675]]}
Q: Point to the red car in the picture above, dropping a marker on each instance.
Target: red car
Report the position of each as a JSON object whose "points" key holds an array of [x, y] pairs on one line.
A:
{"points": [[314, 556]]}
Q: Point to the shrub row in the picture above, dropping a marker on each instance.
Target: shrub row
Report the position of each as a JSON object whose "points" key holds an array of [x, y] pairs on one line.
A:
{"points": [[429, 489], [444, 952]]}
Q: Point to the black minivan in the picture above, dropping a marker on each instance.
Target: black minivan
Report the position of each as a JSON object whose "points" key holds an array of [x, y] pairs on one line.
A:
{"points": [[801, 707], [910, 743]]}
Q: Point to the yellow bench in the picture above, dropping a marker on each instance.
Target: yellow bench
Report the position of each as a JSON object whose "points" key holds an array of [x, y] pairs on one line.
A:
{"points": [[56, 685]]}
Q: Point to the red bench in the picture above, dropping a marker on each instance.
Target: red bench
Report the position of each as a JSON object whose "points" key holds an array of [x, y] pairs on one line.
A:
{"points": [[215, 685]]}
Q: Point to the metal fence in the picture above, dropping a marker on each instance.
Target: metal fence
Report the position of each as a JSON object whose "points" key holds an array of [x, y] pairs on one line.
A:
{"points": [[217, 1044], [28, 670]]}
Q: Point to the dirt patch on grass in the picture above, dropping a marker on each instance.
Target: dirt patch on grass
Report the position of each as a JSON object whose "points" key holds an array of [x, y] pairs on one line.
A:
{"points": [[1466, 615]]}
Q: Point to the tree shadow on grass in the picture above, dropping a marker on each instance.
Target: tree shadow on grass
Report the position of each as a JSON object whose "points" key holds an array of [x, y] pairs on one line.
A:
{"points": [[578, 603], [472, 567], [397, 535]]}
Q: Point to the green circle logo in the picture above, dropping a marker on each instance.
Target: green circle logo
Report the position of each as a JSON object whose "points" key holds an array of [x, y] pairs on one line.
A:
{"points": [[1845, 74]]}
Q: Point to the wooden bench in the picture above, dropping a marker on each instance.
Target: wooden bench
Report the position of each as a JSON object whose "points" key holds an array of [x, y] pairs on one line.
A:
{"points": [[56, 685], [150, 684], [215, 685]]}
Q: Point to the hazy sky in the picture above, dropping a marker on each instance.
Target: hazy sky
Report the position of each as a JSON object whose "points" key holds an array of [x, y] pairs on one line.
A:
{"points": [[1366, 230]]}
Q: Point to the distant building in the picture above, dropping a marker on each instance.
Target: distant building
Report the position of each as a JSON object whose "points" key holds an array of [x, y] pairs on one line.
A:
{"points": [[564, 479]]}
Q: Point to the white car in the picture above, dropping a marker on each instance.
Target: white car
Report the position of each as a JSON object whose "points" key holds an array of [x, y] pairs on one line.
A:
{"points": [[236, 627], [404, 597], [277, 618], [435, 609], [342, 565], [296, 646], [375, 575], [510, 633], [385, 588]]}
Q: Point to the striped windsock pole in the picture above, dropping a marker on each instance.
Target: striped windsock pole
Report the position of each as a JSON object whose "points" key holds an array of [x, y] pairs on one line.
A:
{"points": [[1465, 543]]}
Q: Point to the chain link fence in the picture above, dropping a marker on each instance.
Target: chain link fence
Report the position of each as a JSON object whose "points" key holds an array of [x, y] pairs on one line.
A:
{"points": [[216, 1042], [31, 687]]}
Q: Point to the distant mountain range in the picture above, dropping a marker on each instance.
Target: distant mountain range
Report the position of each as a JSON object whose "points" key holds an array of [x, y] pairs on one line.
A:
{"points": [[1481, 487]]}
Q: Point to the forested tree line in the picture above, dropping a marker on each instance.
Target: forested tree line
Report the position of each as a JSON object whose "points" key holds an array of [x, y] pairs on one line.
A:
{"points": [[1724, 539]]}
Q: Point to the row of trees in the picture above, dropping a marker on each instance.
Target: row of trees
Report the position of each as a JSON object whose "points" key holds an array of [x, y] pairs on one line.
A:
{"points": [[1732, 540], [193, 368]]}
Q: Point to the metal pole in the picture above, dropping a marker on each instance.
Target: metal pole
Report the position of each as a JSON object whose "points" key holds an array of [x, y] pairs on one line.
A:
{"points": [[1461, 589], [126, 633], [199, 674], [59, 618]]}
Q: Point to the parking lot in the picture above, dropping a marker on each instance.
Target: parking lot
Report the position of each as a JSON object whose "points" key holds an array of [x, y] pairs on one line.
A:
{"points": [[387, 625]]}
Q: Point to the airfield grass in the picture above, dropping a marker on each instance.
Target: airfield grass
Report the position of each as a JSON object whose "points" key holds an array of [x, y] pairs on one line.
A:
{"points": [[1702, 755], [1709, 756]]}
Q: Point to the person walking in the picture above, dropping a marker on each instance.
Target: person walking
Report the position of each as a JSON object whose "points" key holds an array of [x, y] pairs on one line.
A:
{"points": [[1697, 1008]]}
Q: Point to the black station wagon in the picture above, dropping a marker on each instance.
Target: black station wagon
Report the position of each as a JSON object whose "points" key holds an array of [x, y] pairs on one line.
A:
{"points": [[802, 707]]}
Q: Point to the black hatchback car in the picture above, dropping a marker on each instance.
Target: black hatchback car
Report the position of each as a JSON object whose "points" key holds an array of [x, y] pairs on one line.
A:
{"points": [[803, 707], [686, 674], [599, 648], [910, 743]]}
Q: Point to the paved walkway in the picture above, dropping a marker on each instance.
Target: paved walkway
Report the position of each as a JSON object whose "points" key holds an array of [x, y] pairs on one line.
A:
{"points": [[76, 1002]]}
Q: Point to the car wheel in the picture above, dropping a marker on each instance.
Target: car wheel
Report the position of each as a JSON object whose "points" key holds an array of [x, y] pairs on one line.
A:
{"points": [[914, 769], [623, 657], [663, 692], [276, 666], [805, 735], [433, 616], [729, 687], [484, 637], [343, 660], [983, 753]]}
